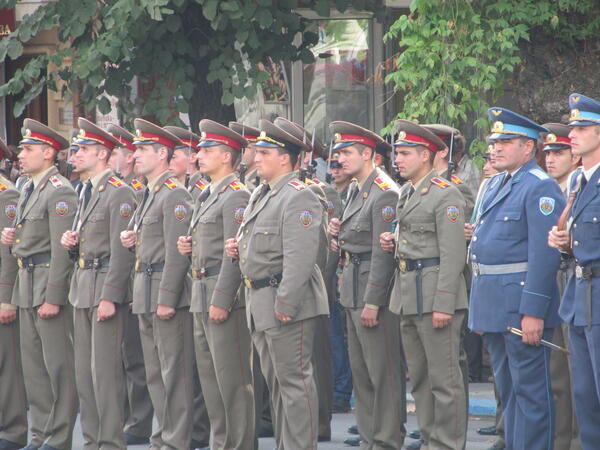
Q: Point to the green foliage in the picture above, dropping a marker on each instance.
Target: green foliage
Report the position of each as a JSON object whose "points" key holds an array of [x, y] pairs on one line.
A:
{"points": [[457, 55], [175, 47]]}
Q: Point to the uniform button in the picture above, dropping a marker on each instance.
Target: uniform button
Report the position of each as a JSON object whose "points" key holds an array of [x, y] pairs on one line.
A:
{"points": [[243, 261], [404, 241], [576, 243], [137, 243], [473, 257], [403, 228], [82, 254], [82, 239], [342, 241], [244, 246], [522, 283], [401, 255], [246, 231], [574, 225], [20, 226], [358, 228], [18, 240], [193, 255], [474, 238], [194, 230], [481, 222], [82, 229], [505, 218], [194, 242], [595, 219]]}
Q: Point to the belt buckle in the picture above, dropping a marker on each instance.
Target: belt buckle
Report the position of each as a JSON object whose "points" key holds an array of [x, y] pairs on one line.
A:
{"points": [[81, 263], [475, 268], [403, 265], [202, 272], [194, 273], [580, 272], [248, 282], [149, 270], [273, 282], [137, 265], [20, 263], [346, 258], [96, 264]]}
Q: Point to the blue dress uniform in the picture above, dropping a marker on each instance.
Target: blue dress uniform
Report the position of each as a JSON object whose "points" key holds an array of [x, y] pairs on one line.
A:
{"points": [[580, 307], [514, 274]]}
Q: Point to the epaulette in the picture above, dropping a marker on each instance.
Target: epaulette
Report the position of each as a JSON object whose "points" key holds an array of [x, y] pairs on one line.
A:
{"points": [[55, 181], [3, 187], [296, 184], [308, 181], [199, 184], [439, 182], [319, 183], [235, 185], [381, 184], [539, 173], [137, 185], [116, 182], [170, 183], [456, 180]]}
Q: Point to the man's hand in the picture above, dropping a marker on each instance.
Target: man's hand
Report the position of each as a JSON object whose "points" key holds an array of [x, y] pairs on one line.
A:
{"points": [[368, 317], [469, 231], [558, 239], [440, 319], [232, 248], [533, 328], [7, 316], [283, 317], [386, 240], [8, 236], [334, 246], [48, 310], [333, 229], [184, 245], [128, 238], [70, 239], [106, 309], [217, 314], [165, 312]]}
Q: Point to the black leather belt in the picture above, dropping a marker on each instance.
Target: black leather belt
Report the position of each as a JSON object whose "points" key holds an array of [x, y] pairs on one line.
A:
{"points": [[95, 264], [204, 272], [410, 265], [355, 259], [567, 262], [272, 281], [149, 269], [588, 273], [30, 262]]}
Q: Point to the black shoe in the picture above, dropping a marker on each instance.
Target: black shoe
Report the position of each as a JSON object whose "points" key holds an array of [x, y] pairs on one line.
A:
{"points": [[353, 441], [353, 429], [415, 434], [265, 432], [498, 445], [340, 406], [488, 431], [197, 445], [5, 444], [132, 439], [30, 447], [415, 445]]}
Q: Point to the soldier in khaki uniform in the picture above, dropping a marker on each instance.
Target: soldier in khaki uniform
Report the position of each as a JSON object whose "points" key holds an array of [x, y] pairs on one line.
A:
{"points": [[221, 336], [250, 178], [429, 290], [45, 210], [13, 413], [99, 288], [278, 245], [161, 286], [138, 408]]}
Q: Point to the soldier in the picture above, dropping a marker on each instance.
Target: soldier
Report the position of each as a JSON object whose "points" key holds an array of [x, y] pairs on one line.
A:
{"points": [[99, 288], [161, 285], [514, 279], [45, 210], [277, 245], [184, 162], [138, 408], [373, 332], [579, 304], [251, 178], [13, 408], [222, 339], [429, 290]]}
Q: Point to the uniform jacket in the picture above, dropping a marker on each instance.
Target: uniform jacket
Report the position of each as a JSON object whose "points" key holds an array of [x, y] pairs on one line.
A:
{"points": [[197, 184], [465, 191], [513, 227], [9, 197]]}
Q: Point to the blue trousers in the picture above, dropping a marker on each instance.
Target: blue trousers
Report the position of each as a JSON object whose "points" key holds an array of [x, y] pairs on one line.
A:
{"points": [[522, 374], [342, 375], [584, 344]]}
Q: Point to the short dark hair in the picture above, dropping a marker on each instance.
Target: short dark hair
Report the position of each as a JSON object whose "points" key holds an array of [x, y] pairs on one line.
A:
{"points": [[293, 156], [170, 151]]}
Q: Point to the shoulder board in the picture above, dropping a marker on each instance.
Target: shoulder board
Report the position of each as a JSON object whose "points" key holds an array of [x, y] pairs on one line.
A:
{"points": [[199, 184], [3, 187], [539, 173], [440, 183], [235, 185], [297, 185], [456, 180], [320, 183], [136, 184], [170, 183], [381, 184], [308, 181], [116, 182], [55, 181]]}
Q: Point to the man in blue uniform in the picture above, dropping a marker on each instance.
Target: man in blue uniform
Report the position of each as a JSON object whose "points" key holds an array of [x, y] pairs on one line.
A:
{"points": [[579, 306], [514, 279]]}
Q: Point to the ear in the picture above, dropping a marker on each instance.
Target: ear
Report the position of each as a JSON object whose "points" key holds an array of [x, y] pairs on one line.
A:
{"points": [[443, 153], [163, 153], [49, 153]]}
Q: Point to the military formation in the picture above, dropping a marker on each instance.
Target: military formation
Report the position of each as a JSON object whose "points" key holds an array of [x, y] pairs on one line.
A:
{"points": [[212, 283]]}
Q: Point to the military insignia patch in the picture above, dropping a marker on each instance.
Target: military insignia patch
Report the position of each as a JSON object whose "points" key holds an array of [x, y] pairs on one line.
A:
{"points": [[10, 210], [126, 209], [439, 182], [330, 208], [381, 184], [238, 214], [452, 212], [388, 213], [170, 183], [200, 185], [305, 218], [55, 181], [456, 180], [61, 208], [180, 212], [235, 185], [3, 187], [547, 205], [116, 182], [136, 184]]}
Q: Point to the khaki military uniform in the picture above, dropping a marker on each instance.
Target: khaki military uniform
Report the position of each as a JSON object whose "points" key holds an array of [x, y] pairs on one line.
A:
{"points": [[278, 242], [102, 272], [223, 351], [161, 278], [196, 184], [46, 344], [252, 180], [13, 408], [431, 250], [377, 369]]}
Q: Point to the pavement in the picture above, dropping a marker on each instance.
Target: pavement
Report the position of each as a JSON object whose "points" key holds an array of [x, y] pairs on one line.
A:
{"points": [[482, 409]]}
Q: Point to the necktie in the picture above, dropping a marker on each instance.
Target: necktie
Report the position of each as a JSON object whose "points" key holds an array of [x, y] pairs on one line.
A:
{"points": [[264, 191], [84, 199], [26, 194], [352, 193], [506, 180], [138, 212], [204, 195]]}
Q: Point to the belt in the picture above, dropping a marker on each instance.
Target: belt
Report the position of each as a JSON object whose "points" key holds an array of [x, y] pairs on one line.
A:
{"points": [[409, 265], [204, 272], [355, 259], [30, 262], [272, 281], [95, 264], [587, 273], [567, 262], [498, 269], [149, 269]]}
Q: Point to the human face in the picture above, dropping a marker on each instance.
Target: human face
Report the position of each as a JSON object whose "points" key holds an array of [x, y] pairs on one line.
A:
{"points": [[269, 163], [212, 159], [510, 154], [146, 159], [585, 140], [560, 163], [120, 158], [34, 158], [411, 161], [180, 162], [353, 161], [338, 175], [88, 157], [488, 168], [248, 157]]}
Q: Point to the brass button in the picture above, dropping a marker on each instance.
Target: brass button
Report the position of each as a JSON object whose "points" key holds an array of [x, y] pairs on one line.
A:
{"points": [[194, 230], [244, 246], [82, 254], [243, 261], [137, 243], [18, 240], [194, 242], [20, 226], [342, 241], [404, 241], [82, 229], [82, 239]]}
